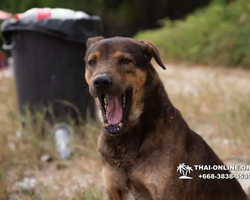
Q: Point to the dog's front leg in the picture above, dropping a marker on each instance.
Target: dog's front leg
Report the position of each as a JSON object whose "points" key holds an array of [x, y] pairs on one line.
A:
{"points": [[116, 194], [115, 182]]}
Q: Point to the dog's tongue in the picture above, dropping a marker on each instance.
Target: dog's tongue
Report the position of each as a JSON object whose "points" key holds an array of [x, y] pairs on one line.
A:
{"points": [[113, 110]]}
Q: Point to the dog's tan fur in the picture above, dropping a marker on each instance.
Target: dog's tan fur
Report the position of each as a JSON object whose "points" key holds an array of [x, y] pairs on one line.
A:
{"points": [[143, 160]]}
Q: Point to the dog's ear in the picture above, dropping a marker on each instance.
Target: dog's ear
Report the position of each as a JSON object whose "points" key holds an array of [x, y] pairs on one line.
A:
{"points": [[93, 40], [151, 51]]}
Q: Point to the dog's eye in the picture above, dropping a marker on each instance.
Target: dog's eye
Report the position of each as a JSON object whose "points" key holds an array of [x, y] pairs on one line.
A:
{"points": [[125, 60], [92, 62]]}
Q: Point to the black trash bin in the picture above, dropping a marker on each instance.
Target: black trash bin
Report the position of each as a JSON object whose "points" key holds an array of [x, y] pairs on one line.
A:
{"points": [[49, 63]]}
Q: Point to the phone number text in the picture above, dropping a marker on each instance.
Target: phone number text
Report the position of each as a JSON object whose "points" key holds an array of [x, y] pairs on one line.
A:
{"points": [[224, 176]]}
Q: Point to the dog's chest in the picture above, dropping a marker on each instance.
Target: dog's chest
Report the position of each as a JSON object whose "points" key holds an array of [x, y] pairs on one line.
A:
{"points": [[121, 153], [119, 156], [144, 181]]}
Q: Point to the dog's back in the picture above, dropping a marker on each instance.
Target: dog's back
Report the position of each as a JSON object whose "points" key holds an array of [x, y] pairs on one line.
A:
{"points": [[206, 183]]}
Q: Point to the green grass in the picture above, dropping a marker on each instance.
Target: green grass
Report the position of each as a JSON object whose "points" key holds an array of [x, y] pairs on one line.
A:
{"points": [[215, 35]]}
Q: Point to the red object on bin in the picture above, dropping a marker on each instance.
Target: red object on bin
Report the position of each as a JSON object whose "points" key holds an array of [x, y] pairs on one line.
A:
{"points": [[38, 14]]}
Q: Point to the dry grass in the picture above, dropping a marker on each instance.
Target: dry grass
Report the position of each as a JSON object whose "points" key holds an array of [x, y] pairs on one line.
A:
{"points": [[20, 156], [215, 103]]}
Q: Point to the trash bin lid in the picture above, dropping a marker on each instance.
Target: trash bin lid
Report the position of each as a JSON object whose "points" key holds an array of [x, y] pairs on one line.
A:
{"points": [[78, 30]]}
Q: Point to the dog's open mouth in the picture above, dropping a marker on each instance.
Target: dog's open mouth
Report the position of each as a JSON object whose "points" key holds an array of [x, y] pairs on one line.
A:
{"points": [[115, 110]]}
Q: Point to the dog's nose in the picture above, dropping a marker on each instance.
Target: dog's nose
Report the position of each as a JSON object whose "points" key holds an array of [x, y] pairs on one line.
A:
{"points": [[102, 81]]}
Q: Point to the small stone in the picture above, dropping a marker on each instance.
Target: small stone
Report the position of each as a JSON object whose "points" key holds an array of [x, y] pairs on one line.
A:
{"points": [[61, 166], [56, 187], [46, 158], [19, 134], [12, 146], [225, 142]]}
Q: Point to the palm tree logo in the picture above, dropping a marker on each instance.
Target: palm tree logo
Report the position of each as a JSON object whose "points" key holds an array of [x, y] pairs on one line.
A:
{"points": [[184, 170]]}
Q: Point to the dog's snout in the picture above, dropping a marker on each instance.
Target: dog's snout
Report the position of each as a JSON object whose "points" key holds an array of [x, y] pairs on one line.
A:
{"points": [[102, 81]]}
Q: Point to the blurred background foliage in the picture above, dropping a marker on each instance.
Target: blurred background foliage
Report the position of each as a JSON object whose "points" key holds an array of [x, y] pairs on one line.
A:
{"points": [[216, 35], [120, 17], [194, 31]]}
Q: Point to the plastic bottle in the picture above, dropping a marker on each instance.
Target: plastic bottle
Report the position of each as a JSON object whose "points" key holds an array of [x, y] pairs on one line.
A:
{"points": [[63, 139]]}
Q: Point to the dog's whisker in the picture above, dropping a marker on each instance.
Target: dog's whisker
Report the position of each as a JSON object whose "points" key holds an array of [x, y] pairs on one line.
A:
{"points": [[82, 87]]}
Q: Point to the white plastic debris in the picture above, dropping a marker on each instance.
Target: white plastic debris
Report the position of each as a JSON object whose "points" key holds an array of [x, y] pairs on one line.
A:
{"points": [[63, 139], [55, 13], [26, 184]]}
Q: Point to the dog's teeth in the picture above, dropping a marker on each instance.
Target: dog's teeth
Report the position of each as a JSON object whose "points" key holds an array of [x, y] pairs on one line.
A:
{"points": [[120, 125], [108, 98], [105, 101], [105, 125], [124, 101]]}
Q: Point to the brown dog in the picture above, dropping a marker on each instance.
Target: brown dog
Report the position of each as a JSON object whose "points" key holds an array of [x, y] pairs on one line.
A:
{"points": [[144, 136]]}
